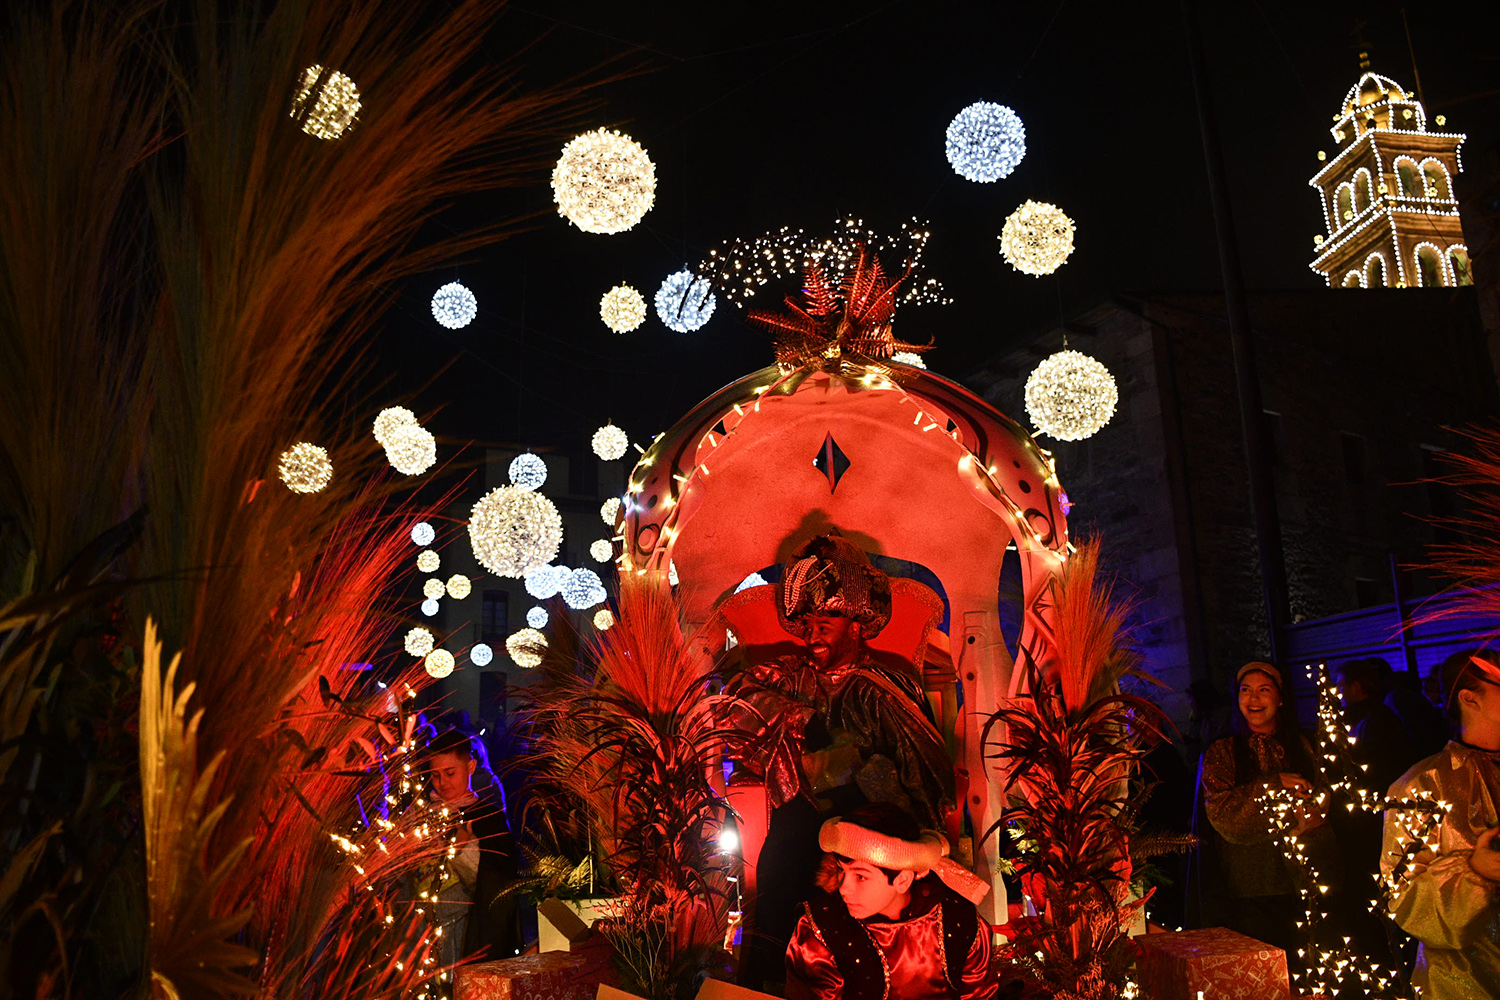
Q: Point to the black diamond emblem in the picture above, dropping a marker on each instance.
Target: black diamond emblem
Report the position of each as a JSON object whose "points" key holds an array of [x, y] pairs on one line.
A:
{"points": [[832, 462]]}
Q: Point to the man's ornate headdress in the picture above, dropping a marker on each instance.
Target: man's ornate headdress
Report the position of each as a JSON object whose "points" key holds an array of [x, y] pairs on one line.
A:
{"points": [[829, 575], [929, 853]]}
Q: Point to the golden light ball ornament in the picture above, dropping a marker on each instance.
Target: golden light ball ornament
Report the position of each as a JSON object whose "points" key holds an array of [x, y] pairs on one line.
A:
{"points": [[439, 663], [305, 468], [602, 550], [388, 420], [459, 586], [326, 102], [622, 308], [609, 442], [1070, 396], [525, 647], [513, 529], [419, 642], [411, 450], [1037, 238], [609, 510], [428, 561], [433, 588], [604, 182], [603, 619]]}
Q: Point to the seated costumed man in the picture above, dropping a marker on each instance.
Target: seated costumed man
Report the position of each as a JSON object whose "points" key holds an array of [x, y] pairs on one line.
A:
{"points": [[897, 919], [831, 728]]}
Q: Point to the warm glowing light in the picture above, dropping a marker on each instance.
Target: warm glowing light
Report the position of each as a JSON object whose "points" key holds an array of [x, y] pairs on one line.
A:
{"points": [[537, 617], [601, 550], [729, 840], [583, 589], [439, 663], [459, 586], [985, 142], [527, 471], [334, 103], [480, 654], [909, 358], [604, 619], [427, 561], [386, 423], [423, 534], [525, 647], [1070, 396], [622, 308], [305, 468], [454, 306], [1037, 238], [433, 588], [609, 442], [609, 510], [411, 449], [604, 182], [419, 641], [685, 302], [513, 529]]}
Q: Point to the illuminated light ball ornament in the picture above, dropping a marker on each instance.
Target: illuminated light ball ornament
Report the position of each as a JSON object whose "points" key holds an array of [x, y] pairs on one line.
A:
{"points": [[609, 510], [334, 102], [419, 642], [685, 302], [429, 607], [427, 561], [543, 582], [454, 306], [1037, 238], [583, 590], [909, 358], [411, 450], [622, 308], [985, 142], [1070, 396], [387, 422], [537, 617], [527, 471], [602, 550], [604, 182], [439, 663], [609, 442], [459, 586], [480, 654], [603, 619], [422, 534], [524, 647], [305, 468], [514, 529], [433, 588]]}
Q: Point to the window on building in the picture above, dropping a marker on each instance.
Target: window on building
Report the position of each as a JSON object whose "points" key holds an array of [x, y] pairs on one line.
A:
{"points": [[1354, 458], [1436, 177], [1429, 267], [1375, 271], [494, 613], [1406, 175], [1353, 280], [1343, 206], [1364, 191], [1459, 258]]}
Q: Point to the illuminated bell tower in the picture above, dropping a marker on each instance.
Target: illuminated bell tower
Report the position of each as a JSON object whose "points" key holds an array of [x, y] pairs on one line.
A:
{"points": [[1387, 192]]}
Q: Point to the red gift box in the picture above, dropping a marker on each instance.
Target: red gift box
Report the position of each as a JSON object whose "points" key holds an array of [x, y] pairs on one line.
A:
{"points": [[553, 975], [1221, 963]]}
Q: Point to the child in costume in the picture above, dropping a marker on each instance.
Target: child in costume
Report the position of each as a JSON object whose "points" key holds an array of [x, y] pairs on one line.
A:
{"points": [[898, 922]]}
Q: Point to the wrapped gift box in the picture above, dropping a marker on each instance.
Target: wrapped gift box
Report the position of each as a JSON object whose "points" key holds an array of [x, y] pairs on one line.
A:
{"points": [[554, 975], [1220, 963]]}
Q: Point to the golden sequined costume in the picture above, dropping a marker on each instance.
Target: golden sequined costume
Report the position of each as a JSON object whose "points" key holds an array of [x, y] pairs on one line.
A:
{"points": [[1439, 899]]}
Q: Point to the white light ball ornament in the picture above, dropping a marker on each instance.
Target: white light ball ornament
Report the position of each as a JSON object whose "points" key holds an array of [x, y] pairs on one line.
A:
{"points": [[602, 550], [439, 663], [909, 358], [524, 647], [411, 450], [543, 582], [419, 642], [454, 306], [1037, 238], [609, 442], [1070, 396], [423, 534], [622, 308], [528, 472], [305, 468], [429, 607], [513, 529], [537, 617], [985, 142], [480, 654], [583, 590], [387, 422], [685, 302], [604, 182], [604, 619], [609, 510]]}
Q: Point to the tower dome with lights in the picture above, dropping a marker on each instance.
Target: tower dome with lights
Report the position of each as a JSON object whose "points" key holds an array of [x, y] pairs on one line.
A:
{"points": [[1389, 212]]}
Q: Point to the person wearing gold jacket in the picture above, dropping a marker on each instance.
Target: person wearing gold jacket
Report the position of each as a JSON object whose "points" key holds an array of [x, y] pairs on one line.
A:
{"points": [[1440, 860]]}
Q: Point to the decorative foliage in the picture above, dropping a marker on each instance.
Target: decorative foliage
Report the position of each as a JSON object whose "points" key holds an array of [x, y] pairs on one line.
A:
{"points": [[305, 468], [985, 142], [513, 529], [609, 442], [525, 647], [604, 182], [528, 471], [411, 449], [684, 302], [1037, 238], [327, 102], [1070, 396], [438, 664], [622, 308], [454, 306], [583, 590]]}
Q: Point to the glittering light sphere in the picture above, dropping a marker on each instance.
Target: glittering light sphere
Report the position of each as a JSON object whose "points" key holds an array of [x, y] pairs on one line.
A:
{"points": [[433, 588], [622, 308], [439, 663], [909, 358], [543, 582], [459, 586], [480, 654], [512, 530], [387, 421], [525, 647], [583, 590], [609, 510], [454, 306], [537, 617], [986, 141], [411, 450], [603, 619], [1037, 238], [422, 534], [326, 101], [429, 607], [427, 561], [609, 442], [602, 550], [684, 302], [753, 580], [419, 641], [527, 471], [305, 468], [1070, 396], [604, 182]]}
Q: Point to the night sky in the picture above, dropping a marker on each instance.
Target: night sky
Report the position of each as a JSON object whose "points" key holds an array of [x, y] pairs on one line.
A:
{"points": [[764, 115]]}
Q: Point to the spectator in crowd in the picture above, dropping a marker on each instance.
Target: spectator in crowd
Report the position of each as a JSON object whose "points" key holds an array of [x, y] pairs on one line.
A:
{"points": [[1423, 720], [1381, 742]]}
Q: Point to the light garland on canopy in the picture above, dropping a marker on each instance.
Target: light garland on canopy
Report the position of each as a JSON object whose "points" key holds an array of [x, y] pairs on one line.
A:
{"points": [[601, 550], [433, 588], [685, 302], [305, 468], [604, 182], [454, 306], [604, 619], [609, 442], [513, 529], [986, 142], [427, 561], [387, 422], [1037, 238], [411, 449], [543, 582], [537, 617], [583, 590], [439, 663], [1070, 396], [524, 647], [527, 471], [480, 654], [622, 308], [333, 109], [419, 642], [459, 586], [609, 510], [423, 534]]}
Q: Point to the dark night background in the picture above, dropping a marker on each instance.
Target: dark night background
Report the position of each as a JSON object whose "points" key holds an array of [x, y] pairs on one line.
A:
{"points": [[759, 116]]}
